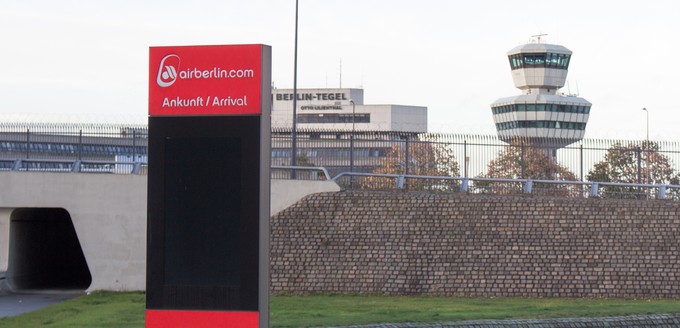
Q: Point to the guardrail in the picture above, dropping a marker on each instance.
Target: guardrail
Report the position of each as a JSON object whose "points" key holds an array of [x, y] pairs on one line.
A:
{"points": [[404, 182], [312, 172], [526, 186], [74, 166]]}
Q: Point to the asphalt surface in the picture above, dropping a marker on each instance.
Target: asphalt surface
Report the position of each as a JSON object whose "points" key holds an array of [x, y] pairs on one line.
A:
{"points": [[12, 304]]}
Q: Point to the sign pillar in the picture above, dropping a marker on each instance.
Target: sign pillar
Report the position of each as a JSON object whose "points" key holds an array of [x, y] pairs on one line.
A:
{"points": [[208, 186]]}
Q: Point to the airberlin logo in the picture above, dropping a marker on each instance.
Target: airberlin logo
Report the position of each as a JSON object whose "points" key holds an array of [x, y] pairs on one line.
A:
{"points": [[169, 72]]}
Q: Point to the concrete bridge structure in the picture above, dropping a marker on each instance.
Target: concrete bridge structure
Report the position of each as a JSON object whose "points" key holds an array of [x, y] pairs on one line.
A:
{"points": [[87, 231]]}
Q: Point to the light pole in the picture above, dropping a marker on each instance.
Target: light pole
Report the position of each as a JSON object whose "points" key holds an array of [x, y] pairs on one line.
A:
{"points": [[351, 138], [647, 146], [293, 161]]}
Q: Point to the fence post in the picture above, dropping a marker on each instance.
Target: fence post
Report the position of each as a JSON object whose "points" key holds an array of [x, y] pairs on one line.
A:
{"points": [[351, 152], [594, 189], [75, 167], [581, 161], [408, 162], [639, 164], [465, 159], [136, 168], [662, 192], [80, 145], [521, 159], [400, 182], [16, 166], [464, 185], [134, 146], [528, 186], [407, 157], [28, 142]]}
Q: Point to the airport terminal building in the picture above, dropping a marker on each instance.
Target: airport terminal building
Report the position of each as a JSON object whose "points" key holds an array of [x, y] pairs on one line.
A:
{"points": [[336, 127], [338, 109]]}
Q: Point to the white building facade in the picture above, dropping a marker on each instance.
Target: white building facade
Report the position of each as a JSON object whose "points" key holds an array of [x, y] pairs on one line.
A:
{"points": [[332, 109]]}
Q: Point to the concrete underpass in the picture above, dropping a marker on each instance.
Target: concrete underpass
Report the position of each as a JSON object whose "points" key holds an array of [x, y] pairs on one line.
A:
{"points": [[44, 252]]}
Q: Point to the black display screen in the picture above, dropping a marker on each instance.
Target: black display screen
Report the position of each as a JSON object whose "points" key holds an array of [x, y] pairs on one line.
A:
{"points": [[203, 225], [202, 211]]}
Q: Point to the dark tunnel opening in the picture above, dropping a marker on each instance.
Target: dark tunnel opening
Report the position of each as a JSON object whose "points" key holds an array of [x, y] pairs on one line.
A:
{"points": [[44, 252]]}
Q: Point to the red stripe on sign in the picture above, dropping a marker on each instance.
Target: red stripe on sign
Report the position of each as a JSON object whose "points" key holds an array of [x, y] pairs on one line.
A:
{"points": [[200, 319]]}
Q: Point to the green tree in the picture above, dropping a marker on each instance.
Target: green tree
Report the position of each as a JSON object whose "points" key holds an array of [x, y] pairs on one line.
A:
{"points": [[426, 158], [520, 160], [633, 163]]}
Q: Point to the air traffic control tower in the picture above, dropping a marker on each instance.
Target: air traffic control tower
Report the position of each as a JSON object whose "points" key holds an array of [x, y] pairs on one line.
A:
{"points": [[541, 115]]}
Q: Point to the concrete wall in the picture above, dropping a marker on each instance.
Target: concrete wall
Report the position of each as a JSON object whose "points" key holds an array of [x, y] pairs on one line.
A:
{"points": [[285, 193], [4, 236], [109, 216], [477, 245]]}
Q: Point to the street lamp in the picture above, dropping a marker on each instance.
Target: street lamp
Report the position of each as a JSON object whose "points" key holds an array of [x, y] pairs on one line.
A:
{"points": [[648, 145], [351, 138], [293, 161], [351, 146]]}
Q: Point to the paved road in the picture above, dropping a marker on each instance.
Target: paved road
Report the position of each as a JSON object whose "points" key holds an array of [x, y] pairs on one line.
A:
{"points": [[12, 304]]}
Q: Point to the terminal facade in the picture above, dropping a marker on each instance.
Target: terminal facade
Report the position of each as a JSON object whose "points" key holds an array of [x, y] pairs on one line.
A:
{"points": [[327, 121], [332, 109]]}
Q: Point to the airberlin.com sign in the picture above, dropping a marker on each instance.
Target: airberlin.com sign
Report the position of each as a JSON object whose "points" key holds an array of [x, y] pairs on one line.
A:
{"points": [[205, 80]]}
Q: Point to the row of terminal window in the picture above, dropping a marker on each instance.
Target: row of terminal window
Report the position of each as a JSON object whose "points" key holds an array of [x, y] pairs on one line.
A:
{"points": [[556, 108], [540, 124], [338, 153], [334, 118], [535, 60]]}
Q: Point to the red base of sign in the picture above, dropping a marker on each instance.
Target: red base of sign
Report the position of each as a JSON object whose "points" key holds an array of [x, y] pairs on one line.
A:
{"points": [[200, 319]]}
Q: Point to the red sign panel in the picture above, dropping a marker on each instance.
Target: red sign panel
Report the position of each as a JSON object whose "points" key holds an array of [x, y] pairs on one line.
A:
{"points": [[205, 80], [200, 319]]}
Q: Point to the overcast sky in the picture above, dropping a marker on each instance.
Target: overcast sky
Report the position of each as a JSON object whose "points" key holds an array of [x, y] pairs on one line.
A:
{"points": [[87, 60]]}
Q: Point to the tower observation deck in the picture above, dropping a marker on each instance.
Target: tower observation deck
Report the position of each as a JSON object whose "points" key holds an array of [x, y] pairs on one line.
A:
{"points": [[540, 115]]}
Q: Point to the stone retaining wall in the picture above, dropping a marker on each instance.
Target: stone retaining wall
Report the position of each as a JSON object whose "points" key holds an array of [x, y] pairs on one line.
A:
{"points": [[476, 245]]}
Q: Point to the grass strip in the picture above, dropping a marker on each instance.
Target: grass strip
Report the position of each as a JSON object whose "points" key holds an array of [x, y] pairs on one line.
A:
{"points": [[108, 309], [306, 311], [100, 309]]}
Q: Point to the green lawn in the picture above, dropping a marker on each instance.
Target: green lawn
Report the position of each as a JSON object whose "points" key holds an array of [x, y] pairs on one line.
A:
{"points": [[103, 309], [106, 309]]}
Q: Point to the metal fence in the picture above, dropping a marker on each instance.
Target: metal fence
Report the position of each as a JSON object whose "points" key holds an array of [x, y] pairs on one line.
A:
{"points": [[467, 155], [95, 148], [121, 148]]}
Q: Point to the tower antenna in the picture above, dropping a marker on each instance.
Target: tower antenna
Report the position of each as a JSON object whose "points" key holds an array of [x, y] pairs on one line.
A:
{"points": [[568, 90], [538, 36]]}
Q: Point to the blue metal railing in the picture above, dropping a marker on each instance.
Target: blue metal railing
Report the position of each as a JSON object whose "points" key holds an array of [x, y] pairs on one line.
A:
{"points": [[529, 186], [75, 166], [403, 182]]}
